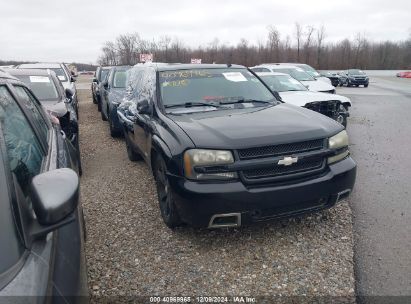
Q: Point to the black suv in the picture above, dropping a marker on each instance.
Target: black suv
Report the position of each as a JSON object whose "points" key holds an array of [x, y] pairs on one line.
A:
{"points": [[356, 77], [97, 84], [111, 95], [225, 151], [41, 221]]}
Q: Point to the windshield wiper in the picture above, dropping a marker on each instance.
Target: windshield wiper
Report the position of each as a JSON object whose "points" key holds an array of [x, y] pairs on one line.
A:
{"points": [[243, 100], [191, 104]]}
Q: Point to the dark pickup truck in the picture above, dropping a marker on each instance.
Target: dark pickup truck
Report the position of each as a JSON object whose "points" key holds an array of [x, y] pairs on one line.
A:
{"points": [[225, 151]]}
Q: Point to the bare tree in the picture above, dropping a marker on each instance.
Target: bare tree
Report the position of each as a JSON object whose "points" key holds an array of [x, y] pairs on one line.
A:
{"points": [[165, 44], [298, 34], [273, 43], [320, 39], [307, 44], [127, 48], [357, 52]]}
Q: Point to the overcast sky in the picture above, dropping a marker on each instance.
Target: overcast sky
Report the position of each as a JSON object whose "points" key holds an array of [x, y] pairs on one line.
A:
{"points": [[74, 30]]}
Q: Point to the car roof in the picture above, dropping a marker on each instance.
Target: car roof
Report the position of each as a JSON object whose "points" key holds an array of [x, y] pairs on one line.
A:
{"points": [[6, 75], [276, 66], [40, 65], [187, 66], [30, 72], [271, 74]]}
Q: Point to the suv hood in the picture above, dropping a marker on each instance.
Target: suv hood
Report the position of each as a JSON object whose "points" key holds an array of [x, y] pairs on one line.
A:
{"points": [[301, 98], [318, 85], [244, 128]]}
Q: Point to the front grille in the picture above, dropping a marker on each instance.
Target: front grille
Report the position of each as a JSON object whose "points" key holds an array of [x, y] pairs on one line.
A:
{"points": [[329, 108], [284, 149], [302, 165]]}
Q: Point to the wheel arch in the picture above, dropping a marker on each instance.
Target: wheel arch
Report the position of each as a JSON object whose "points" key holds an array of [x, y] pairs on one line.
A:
{"points": [[159, 147]]}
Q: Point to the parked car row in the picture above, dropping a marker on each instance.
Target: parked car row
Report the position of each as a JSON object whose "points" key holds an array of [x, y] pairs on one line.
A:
{"points": [[41, 219], [224, 148]]}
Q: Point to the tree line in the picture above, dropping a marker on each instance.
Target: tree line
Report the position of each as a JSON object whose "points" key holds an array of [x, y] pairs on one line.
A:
{"points": [[307, 45]]}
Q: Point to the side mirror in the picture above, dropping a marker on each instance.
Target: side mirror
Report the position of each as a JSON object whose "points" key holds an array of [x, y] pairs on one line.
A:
{"points": [[54, 195], [69, 93], [73, 79], [94, 79], [105, 84], [307, 86], [143, 107]]}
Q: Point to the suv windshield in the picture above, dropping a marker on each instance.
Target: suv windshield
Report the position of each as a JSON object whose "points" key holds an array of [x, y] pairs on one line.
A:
{"points": [[42, 86], [211, 86], [283, 83], [119, 79], [296, 73], [356, 72]]}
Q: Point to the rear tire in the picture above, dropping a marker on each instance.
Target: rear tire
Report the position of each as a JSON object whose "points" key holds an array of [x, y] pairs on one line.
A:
{"points": [[168, 209]]}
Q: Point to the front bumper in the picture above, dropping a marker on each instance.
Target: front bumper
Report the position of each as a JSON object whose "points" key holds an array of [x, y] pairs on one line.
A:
{"points": [[358, 81], [198, 202]]}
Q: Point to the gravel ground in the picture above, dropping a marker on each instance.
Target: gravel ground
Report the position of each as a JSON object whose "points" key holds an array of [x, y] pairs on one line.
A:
{"points": [[131, 252]]}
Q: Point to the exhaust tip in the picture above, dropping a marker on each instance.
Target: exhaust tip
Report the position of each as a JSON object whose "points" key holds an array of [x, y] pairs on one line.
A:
{"points": [[225, 220]]}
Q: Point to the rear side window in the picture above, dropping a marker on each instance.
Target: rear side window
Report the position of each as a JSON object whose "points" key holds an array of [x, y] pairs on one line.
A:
{"points": [[35, 108], [60, 74], [23, 148]]}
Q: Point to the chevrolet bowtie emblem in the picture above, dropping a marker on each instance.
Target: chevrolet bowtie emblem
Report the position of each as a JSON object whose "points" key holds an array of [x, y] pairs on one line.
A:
{"points": [[288, 160]]}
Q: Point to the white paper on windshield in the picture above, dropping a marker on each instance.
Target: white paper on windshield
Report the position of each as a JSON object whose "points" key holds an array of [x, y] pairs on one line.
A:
{"points": [[299, 69], [234, 76], [39, 79], [62, 78]]}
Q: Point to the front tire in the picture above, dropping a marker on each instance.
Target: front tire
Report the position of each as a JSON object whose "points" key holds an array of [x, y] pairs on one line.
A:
{"points": [[165, 197], [366, 85], [103, 117]]}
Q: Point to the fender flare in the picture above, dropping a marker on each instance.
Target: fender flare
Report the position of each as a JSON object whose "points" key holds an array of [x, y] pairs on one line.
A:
{"points": [[159, 146]]}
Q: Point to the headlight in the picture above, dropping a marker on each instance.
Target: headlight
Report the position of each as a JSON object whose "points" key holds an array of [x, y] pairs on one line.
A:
{"points": [[338, 142], [207, 158]]}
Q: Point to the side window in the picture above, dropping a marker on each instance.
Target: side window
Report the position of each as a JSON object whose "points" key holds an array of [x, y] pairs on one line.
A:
{"points": [[148, 85], [23, 148], [35, 108], [264, 70], [134, 83]]}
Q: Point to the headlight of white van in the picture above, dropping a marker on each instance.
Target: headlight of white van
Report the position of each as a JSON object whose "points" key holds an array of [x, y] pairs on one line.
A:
{"points": [[204, 158], [338, 142]]}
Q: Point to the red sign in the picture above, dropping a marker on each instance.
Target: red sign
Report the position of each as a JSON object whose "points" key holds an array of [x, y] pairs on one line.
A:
{"points": [[196, 60], [146, 57]]}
